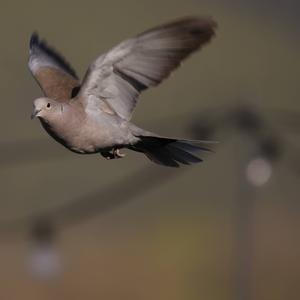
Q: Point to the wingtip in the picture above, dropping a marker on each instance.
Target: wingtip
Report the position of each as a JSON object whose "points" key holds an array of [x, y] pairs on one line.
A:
{"points": [[34, 39], [197, 21], [205, 24], [39, 47]]}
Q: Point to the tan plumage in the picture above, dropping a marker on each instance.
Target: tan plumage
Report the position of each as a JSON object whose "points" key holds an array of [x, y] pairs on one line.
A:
{"points": [[54, 75]]}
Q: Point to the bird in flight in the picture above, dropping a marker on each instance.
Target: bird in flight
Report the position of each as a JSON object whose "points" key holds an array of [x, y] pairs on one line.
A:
{"points": [[93, 115]]}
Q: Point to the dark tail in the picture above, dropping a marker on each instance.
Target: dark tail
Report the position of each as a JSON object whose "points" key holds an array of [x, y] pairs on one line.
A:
{"points": [[170, 152]]}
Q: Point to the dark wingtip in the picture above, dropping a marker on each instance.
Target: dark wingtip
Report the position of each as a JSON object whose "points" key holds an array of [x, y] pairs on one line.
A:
{"points": [[203, 28], [34, 39], [36, 43]]}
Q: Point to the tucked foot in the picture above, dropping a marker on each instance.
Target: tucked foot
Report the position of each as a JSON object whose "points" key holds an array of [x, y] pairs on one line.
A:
{"points": [[117, 153], [112, 154]]}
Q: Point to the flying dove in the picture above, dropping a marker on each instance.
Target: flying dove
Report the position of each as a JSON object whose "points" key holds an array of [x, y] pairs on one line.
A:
{"points": [[93, 116]]}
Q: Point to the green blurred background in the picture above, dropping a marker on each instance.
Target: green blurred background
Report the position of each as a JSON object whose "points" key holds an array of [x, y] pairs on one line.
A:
{"points": [[74, 227]]}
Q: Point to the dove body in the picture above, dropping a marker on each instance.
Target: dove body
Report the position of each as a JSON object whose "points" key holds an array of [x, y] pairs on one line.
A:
{"points": [[83, 132], [94, 115]]}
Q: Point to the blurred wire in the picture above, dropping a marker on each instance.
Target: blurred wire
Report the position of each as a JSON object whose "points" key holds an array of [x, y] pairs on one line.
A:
{"points": [[100, 201], [268, 129], [25, 152]]}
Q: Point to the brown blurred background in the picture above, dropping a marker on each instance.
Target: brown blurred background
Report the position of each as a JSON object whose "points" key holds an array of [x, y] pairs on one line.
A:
{"points": [[81, 227]]}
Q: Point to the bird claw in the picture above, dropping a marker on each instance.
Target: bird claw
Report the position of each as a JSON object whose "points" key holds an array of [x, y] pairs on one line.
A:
{"points": [[113, 154], [117, 153]]}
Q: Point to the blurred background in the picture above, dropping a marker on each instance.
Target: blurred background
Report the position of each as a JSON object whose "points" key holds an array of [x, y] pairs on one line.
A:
{"points": [[74, 227]]}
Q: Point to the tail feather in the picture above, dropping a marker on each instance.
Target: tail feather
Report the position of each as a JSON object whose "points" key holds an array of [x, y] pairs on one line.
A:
{"points": [[193, 145], [162, 157], [170, 152], [182, 155]]}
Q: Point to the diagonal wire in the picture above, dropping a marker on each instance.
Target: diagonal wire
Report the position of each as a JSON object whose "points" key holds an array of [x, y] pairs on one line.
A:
{"points": [[30, 151], [100, 201]]}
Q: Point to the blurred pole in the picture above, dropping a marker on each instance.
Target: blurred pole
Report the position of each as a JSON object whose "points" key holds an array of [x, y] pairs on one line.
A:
{"points": [[45, 262], [244, 221], [259, 147]]}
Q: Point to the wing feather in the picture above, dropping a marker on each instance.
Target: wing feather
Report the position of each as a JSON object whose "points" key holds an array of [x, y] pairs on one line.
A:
{"points": [[120, 75], [55, 76]]}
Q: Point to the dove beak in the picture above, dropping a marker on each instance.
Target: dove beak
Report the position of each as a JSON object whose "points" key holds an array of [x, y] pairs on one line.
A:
{"points": [[35, 112]]}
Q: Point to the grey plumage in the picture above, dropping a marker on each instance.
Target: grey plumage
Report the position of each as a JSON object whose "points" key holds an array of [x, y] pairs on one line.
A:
{"points": [[94, 116], [144, 61]]}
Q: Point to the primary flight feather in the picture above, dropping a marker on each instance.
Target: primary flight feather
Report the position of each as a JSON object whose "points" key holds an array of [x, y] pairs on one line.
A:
{"points": [[93, 116]]}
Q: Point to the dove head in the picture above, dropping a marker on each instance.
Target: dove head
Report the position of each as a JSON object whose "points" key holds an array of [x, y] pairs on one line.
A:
{"points": [[46, 108]]}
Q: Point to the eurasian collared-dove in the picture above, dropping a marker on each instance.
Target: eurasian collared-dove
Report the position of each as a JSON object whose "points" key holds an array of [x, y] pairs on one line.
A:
{"points": [[94, 116]]}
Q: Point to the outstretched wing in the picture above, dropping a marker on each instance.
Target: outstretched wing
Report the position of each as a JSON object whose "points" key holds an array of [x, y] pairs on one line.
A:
{"points": [[54, 75], [117, 78]]}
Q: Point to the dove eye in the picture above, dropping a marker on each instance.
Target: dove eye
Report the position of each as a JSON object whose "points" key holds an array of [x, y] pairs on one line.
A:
{"points": [[48, 105]]}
